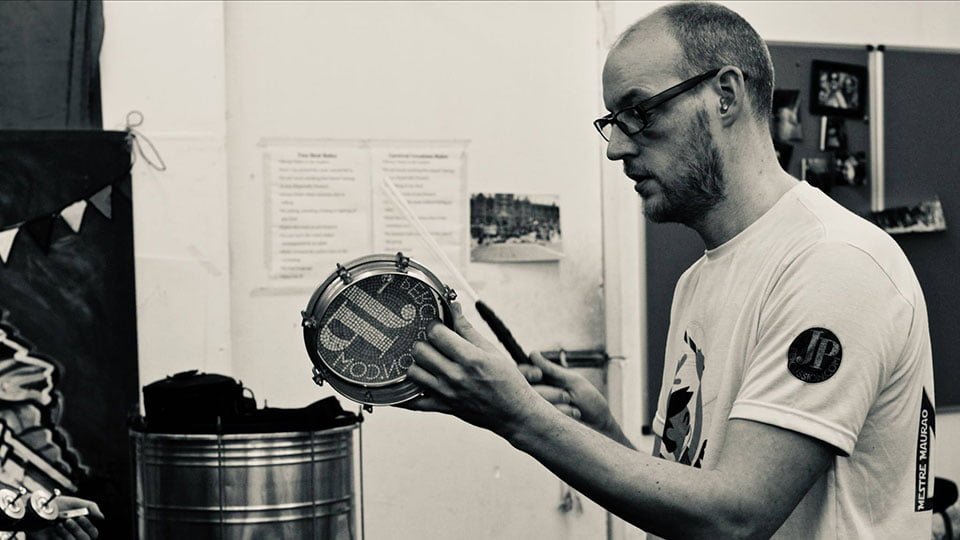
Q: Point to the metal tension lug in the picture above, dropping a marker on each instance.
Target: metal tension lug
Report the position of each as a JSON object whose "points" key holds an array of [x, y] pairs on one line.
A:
{"points": [[402, 262], [343, 274], [368, 408], [449, 293], [308, 320], [317, 377]]}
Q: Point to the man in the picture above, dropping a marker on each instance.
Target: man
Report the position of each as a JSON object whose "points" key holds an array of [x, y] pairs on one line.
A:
{"points": [[797, 397]]}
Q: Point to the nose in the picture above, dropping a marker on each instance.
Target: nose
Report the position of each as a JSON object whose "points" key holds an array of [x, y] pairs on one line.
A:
{"points": [[620, 146]]}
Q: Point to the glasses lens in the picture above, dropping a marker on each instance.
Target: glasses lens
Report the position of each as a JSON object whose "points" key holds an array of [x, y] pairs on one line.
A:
{"points": [[606, 129], [631, 121]]}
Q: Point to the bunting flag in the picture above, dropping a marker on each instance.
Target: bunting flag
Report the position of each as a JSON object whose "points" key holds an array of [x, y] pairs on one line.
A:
{"points": [[41, 229], [73, 215], [6, 242], [101, 201]]}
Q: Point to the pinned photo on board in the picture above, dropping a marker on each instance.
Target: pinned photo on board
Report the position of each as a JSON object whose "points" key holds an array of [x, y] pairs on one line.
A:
{"points": [[926, 216], [838, 89], [852, 168], [785, 123], [509, 227], [833, 134], [818, 173]]}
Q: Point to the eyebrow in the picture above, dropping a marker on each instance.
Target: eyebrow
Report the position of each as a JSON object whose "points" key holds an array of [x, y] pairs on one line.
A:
{"points": [[632, 97]]}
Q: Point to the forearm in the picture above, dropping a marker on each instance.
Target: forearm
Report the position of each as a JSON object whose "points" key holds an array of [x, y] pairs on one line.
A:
{"points": [[661, 497], [613, 431]]}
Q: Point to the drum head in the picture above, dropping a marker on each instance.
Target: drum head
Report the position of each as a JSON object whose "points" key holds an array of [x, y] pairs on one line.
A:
{"points": [[362, 322]]}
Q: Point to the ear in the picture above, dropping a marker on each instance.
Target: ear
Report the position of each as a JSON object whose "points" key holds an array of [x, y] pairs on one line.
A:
{"points": [[731, 91]]}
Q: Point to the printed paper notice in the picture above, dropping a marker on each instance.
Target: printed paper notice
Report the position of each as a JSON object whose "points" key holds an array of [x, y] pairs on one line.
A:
{"points": [[431, 180], [318, 210]]}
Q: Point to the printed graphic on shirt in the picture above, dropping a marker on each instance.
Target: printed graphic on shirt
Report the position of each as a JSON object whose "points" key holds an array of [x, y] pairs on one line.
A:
{"points": [[925, 437], [814, 356], [683, 425]]}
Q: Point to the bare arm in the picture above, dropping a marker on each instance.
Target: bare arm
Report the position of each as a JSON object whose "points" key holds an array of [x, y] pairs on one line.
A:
{"points": [[762, 473]]}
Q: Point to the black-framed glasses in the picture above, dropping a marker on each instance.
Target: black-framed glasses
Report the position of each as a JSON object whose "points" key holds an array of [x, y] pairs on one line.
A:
{"points": [[634, 119]]}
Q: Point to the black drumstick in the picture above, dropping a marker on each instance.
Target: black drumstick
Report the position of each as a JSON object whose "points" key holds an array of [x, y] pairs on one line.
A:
{"points": [[503, 333]]}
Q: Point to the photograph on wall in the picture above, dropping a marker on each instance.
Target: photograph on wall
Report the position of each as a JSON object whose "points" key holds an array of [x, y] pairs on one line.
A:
{"points": [[833, 134], [818, 172], [838, 89], [852, 168], [785, 122], [509, 227], [926, 216]]}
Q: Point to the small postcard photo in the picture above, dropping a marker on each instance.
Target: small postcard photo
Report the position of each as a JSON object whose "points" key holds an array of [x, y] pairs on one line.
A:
{"points": [[926, 216], [785, 123], [833, 134], [818, 173], [852, 168], [510, 227]]}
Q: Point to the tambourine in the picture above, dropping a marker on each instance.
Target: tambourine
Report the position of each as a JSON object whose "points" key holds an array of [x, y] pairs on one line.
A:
{"points": [[363, 320]]}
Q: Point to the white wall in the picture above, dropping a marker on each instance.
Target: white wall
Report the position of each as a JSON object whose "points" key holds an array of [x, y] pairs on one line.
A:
{"points": [[519, 82], [165, 59]]}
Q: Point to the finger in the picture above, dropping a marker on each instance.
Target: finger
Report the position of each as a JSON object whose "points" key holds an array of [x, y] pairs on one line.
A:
{"points": [[553, 394], [68, 502], [425, 404], [74, 529], [552, 372], [452, 346], [465, 329], [428, 358], [428, 381], [569, 410], [532, 373], [55, 531], [88, 527], [60, 531], [94, 510]]}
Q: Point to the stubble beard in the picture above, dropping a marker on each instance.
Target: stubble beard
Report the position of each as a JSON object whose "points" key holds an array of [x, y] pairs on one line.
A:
{"points": [[698, 185]]}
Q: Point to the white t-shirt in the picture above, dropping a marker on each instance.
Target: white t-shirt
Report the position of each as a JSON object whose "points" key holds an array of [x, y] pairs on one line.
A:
{"points": [[812, 320]]}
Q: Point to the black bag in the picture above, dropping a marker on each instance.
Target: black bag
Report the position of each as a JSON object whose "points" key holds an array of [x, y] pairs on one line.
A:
{"points": [[194, 402], [190, 401]]}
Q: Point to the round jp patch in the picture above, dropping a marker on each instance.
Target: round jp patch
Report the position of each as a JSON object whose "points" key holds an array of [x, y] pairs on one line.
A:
{"points": [[814, 356]]}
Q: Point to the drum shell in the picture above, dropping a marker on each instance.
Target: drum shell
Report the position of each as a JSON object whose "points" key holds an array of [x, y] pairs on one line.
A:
{"points": [[245, 486]]}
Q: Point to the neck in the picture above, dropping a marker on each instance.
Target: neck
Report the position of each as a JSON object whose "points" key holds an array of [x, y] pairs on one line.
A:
{"points": [[754, 183]]}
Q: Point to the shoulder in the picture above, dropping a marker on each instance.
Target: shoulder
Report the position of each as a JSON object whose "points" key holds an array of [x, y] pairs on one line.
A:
{"points": [[852, 251]]}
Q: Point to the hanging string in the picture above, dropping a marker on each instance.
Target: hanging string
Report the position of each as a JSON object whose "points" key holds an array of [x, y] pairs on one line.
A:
{"points": [[135, 120]]}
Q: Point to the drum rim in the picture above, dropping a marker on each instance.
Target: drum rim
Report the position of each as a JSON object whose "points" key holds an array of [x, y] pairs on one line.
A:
{"points": [[302, 434], [390, 392]]}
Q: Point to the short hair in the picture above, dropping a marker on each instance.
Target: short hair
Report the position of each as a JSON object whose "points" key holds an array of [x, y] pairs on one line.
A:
{"points": [[712, 36]]}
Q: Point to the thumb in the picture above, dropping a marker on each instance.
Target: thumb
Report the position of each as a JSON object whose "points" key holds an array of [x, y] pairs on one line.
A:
{"points": [[551, 371], [463, 327]]}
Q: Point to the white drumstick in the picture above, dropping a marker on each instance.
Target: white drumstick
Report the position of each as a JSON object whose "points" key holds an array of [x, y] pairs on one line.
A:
{"points": [[401, 202]]}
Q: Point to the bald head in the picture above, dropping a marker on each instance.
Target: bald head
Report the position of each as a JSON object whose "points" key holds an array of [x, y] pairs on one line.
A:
{"points": [[706, 36]]}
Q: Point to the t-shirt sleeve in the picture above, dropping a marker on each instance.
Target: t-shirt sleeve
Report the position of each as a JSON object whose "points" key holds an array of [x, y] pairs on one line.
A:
{"points": [[828, 336]]}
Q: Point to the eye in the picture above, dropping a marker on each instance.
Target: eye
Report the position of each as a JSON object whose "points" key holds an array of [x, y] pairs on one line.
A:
{"points": [[634, 118], [632, 115]]}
